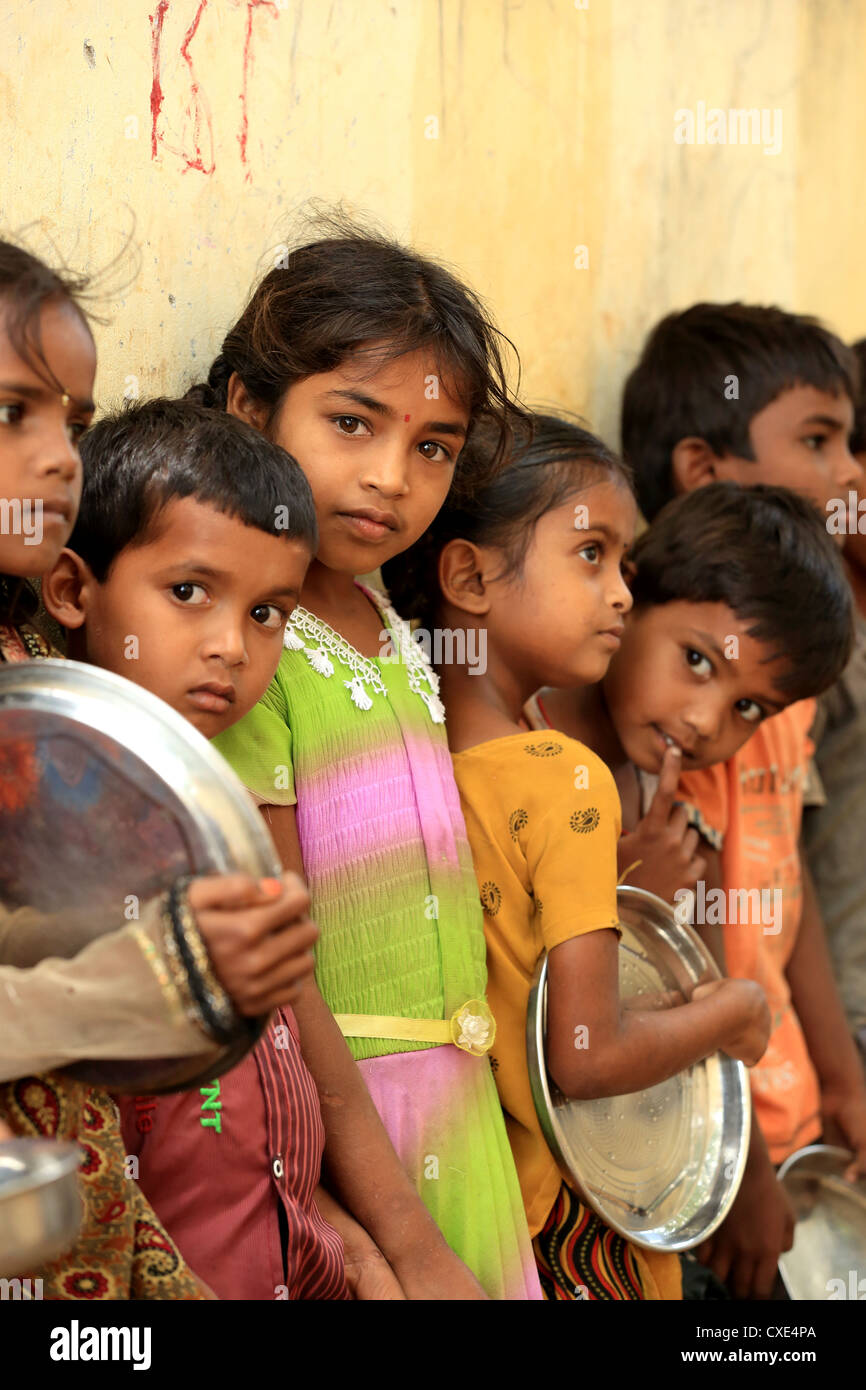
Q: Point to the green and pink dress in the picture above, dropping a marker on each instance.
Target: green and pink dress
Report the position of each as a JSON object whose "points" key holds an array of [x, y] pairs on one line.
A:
{"points": [[358, 745]]}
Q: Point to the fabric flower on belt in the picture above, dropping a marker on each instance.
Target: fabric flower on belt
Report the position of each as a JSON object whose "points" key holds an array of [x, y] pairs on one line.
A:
{"points": [[473, 1027]]}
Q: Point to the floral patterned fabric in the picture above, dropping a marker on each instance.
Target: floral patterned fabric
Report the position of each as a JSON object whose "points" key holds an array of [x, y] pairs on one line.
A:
{"points": [[122, 1251]]}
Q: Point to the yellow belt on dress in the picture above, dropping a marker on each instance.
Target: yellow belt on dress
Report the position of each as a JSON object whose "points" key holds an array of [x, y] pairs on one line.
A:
{"points": [[472, 1028]]}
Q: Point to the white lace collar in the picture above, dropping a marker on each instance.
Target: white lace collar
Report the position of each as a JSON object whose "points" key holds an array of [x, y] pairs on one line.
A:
{"points": [[366, 676]]}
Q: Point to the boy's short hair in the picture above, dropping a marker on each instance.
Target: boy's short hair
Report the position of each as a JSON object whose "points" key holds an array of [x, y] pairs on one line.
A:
{"points": [[765, 552], [149, 454], [708, 371]]}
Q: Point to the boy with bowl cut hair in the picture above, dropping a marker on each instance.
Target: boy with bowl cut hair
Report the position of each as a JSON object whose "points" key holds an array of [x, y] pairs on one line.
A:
{"points": [[753, 394]]}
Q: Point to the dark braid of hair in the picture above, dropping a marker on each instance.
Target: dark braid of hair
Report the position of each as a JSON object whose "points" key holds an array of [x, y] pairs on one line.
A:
{"points": [[213, 393]]}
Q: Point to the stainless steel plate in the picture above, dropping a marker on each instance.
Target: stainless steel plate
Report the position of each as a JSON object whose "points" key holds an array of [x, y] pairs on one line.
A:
{"points": [[40, 1206], [106, 797], [828, 1258], [661, 1166]]}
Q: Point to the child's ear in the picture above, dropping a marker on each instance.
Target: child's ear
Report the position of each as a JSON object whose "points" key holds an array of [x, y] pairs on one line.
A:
{"points": [[693, 464], [461, 577], [65, 589], [243, 405]]}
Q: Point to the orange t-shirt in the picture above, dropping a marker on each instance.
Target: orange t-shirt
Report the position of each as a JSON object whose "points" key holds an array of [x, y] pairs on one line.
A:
{"points": [[755, 800]]}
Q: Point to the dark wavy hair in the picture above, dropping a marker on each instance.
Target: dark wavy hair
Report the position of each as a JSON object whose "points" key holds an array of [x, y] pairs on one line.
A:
{"points": [[355, 294], [551, 459], [765, 552], [26, 286], [678, 387]]}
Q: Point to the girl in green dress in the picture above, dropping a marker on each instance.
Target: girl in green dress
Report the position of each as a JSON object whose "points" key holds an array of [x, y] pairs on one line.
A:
{"points": [[372, 365]]}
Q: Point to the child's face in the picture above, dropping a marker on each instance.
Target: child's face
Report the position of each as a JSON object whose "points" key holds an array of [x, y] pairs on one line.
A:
{"points": [[40, 470], [378, 453], [196, 614], [688, 672], [560, 619], [800, 441]]}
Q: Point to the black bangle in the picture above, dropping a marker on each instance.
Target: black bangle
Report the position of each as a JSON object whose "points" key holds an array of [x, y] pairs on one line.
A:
{"points": [[214, 1004]]}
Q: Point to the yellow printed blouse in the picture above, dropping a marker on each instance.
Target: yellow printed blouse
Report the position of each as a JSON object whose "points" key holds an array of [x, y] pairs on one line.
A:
{"points": [[543, 817]]}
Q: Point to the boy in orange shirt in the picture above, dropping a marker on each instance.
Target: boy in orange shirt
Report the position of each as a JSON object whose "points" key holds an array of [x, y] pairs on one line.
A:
{"points": [[755, 395]]}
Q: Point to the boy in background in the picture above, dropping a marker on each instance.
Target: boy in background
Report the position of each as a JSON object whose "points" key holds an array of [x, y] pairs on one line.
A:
{"points": [[756, 395], [833, 833]]}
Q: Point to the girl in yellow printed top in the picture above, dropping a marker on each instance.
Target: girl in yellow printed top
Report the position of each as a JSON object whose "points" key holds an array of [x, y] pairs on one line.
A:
{"points": [[531, 572]]}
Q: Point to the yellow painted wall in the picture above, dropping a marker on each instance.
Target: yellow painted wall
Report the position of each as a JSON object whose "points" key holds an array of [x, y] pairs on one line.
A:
{"points": [[555, 129]]}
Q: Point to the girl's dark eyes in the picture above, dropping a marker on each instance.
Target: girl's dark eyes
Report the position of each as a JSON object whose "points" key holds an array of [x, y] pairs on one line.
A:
{"points": [[355, 428], [13, 413], [815, 441], [591, 552], [444, 455], [345, 424]]}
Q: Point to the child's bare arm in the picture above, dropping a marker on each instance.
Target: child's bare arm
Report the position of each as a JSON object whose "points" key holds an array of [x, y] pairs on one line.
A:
{"points": [[626, 1049], [363, 1169], [822, 1018]]}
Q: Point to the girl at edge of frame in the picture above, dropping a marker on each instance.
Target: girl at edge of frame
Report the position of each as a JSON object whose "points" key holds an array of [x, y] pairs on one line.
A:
{"points": [[531, 570], [371, 365], [48, 366]]}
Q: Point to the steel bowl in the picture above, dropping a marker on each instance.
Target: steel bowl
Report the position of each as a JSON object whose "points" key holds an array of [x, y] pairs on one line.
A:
{"points": [[662, 1166], [828, 1257], [108, 796], [40, 1207]]}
